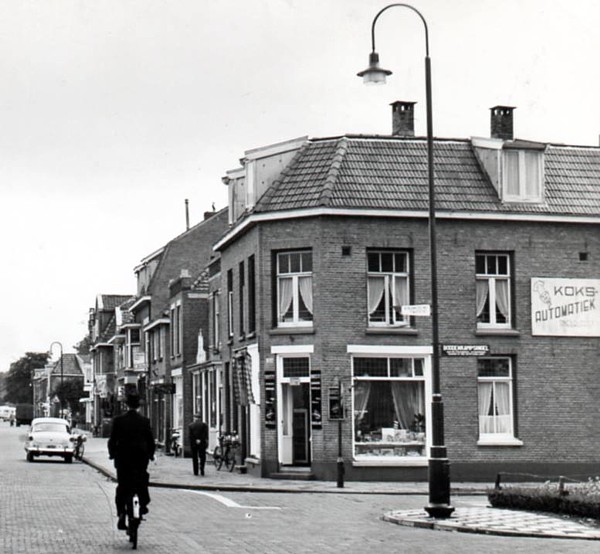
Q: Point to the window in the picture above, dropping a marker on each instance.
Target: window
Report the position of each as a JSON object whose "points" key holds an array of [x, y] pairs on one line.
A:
{"points": [[216, 321], [493, 295], [230, 303], [387, 287], [389, 408], [251, 296], [294, 288], [522, 175], [495, 395], [242, 286]]}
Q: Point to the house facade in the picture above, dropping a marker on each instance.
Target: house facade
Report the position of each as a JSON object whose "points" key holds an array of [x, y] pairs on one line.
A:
{"points": [[328, 243]]}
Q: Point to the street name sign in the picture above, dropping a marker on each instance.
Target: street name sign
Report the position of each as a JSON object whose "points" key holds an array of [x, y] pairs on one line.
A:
{"points": [[419, 310], [465, 349]]}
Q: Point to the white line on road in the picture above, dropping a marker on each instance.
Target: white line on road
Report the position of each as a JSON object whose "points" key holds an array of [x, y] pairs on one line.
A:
{"points": [[231, 503]]}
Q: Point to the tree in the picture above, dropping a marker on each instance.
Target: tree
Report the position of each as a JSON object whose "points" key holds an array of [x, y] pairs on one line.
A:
{"points": [[69, 392], [20, 375], [83, 346]]}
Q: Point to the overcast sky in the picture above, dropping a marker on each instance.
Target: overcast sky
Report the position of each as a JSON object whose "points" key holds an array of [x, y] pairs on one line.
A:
{"points": [[113, 112]]}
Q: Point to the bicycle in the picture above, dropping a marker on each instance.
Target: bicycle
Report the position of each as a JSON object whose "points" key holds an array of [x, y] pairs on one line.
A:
{"points": [[225, 452], [133, 511]]}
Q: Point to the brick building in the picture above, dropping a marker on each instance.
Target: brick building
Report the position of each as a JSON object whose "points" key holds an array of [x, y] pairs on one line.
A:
{"points": [[328, 241]]}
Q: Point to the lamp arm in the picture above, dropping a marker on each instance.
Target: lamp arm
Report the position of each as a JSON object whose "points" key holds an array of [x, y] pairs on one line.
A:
{"points": [[400, 6]]}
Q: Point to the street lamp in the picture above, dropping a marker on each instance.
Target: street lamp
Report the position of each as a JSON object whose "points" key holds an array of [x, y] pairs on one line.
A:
{"points": [[439, 469], [61, 375]]}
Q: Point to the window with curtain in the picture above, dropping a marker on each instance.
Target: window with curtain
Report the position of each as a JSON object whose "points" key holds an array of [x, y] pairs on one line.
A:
{"points": [[493, 290], [387, 287], [522, 175], [294, 288], [495, 398], [389, 408]]}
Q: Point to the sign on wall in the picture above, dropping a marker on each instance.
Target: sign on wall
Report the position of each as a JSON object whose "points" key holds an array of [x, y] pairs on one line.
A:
{"points": [[565, 307]]}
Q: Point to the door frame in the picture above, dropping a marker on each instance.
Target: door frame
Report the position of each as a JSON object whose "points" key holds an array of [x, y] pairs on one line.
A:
{"points": [[285, 404]]}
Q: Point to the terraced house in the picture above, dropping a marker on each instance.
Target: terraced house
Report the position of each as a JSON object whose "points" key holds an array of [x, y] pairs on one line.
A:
{"points": [[328, 241]]}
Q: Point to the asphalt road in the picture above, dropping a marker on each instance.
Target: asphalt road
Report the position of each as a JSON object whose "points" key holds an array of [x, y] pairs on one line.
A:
{"points": [[52, 507]]}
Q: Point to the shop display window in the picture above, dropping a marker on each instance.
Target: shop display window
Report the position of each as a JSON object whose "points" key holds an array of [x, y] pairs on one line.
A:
{"points": [[389, 408]]}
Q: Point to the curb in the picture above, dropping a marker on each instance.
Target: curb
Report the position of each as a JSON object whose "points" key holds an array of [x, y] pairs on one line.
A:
{"points": [[276, 489]]}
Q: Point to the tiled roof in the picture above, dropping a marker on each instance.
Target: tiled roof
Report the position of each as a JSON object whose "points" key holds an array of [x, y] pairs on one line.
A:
{"points": [[111, 301], [70, 366], [392, 173]]}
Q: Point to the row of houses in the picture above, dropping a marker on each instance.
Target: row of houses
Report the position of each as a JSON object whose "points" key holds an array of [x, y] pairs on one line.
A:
{"points": [[281, 317]]}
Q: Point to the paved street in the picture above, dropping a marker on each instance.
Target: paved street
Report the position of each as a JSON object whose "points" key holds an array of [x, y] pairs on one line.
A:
{"points": [[53, 507]]}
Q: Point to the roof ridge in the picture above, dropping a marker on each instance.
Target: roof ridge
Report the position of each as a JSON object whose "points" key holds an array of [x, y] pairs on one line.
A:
{"points": [[334, 170]]}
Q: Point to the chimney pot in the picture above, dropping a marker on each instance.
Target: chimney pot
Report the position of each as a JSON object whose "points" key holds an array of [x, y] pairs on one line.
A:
{"points": [[403, 119], [501, 123]]}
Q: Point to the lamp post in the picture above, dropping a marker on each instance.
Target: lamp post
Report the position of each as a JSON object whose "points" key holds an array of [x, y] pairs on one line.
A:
{"points": [[439, 469], [61, 375]]}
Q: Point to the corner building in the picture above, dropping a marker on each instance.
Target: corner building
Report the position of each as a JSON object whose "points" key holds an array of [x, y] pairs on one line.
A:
{"points": [[329, 241]]}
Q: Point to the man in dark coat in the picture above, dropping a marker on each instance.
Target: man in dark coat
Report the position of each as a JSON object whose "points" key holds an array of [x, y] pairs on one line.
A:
{"points": [[198, 432], [131, 445]]}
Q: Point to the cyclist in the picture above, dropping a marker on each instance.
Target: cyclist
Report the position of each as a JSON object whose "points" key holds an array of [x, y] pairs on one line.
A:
{"points": [[131, 445], [198, 431]]}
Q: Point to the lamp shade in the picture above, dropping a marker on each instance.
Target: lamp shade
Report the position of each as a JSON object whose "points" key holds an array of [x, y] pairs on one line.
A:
{"points": [[374, 75]]}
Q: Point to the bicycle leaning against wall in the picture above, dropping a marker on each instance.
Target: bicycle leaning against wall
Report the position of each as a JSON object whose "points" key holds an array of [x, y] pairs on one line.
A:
{"points": [[225, 453]]}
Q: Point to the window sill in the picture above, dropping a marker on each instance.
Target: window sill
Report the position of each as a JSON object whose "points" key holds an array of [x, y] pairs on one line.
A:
{"points": [[497, 332], [292, 331], [380, 461], [500, 442], [391, 331]]}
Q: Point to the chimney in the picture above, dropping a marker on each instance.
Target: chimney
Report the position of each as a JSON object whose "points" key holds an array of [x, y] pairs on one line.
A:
{"points": [[403, 119], [502, 122]]}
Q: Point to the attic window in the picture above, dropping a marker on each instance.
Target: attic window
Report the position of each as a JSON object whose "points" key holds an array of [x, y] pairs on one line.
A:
{"points": [[522, 175]]}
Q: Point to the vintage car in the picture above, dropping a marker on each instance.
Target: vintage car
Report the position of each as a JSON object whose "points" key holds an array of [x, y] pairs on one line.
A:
{"points": [[49, 436]]}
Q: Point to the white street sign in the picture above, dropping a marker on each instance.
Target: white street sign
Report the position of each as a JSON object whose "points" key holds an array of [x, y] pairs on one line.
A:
{"points": [[419, 310]]}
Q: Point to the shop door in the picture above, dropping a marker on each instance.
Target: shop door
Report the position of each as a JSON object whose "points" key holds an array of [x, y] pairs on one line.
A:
{"points": [[295, 436]]}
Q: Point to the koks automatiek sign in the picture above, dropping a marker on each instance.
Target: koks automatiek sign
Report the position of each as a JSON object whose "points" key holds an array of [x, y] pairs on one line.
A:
{"points": [[565, 307]]}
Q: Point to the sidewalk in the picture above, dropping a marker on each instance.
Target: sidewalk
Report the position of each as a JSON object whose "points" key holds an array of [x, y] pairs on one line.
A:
{"points": [[170, 472]]}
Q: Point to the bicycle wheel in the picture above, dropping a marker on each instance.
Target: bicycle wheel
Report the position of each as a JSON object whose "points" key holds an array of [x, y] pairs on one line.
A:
{"points": [[230, 459], [132, 531], [218, 457]]}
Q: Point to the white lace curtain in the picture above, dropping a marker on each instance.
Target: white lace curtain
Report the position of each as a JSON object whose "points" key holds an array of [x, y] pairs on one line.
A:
{"points": [[362, 392], [285, 296], [306, 292], [502, 296], [409, 400], [494, 408]]}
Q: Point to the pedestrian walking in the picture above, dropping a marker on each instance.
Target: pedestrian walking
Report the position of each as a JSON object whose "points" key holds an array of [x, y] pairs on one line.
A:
{"points": [[198, 432]]}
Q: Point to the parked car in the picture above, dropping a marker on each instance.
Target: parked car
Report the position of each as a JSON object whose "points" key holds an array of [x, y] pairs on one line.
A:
{"points": [[49, 436], [6, 412]]}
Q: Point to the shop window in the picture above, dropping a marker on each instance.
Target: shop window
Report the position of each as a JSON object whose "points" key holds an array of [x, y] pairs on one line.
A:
{"points": [[387, 287], [294, 289], [493, 290], [389, 409]]}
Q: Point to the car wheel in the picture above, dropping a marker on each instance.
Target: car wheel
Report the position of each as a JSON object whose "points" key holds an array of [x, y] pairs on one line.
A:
{"points": [[69, 458], [29, 457]]}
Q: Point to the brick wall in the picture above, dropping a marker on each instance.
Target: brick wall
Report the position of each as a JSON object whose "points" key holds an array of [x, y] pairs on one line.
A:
{"points": [[556, 377]]}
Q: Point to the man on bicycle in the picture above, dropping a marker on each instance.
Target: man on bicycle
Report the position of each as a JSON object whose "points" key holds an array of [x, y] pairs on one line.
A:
{"points": [[198, 431], [131, 445]]}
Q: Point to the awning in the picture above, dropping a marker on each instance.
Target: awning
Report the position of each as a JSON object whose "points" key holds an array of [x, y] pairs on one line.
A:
{"points": [[242, 379]]}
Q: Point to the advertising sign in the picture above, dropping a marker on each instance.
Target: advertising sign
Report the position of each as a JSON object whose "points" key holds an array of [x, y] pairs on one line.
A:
{"points": [[565, 307], [419, 310]]}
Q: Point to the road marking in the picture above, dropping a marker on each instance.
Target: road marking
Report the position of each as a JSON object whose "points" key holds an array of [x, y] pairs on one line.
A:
{"points": [[231, 503]]}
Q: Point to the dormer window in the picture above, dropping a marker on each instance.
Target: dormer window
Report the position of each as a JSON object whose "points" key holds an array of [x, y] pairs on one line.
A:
{"points": [[522, 174]]}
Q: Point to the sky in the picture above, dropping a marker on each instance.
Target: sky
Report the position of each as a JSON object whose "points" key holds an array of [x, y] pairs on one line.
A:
{"points": [[114, 112]]}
